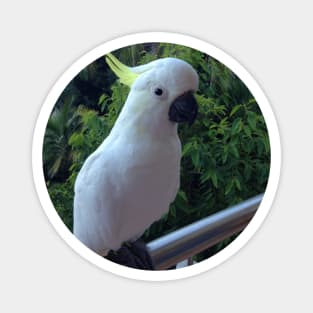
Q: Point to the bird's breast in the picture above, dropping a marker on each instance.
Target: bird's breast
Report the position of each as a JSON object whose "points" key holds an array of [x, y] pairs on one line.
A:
{"points": [[150, 180]]}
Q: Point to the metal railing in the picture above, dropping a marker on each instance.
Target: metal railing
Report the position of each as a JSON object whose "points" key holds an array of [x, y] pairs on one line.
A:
{"points": [[198, 236]]}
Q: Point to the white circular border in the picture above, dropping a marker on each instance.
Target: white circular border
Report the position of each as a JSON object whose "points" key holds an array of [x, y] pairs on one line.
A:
{"points": [[81, 64]]}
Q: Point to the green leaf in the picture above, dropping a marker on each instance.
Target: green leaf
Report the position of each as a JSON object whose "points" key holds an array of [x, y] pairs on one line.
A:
{"points": [[225, 154], [233, 149], [186, 148], [251, 120], [102, 98], [247, 131], [235, 109], [182, 194], [205, 176], [237, 183], [76, 140], [266, 144], [214, 179], [237, 126], [229, 187], [195, 158]]}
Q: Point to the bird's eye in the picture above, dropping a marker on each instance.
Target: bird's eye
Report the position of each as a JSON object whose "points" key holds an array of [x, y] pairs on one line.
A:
{"points": [[158, 91]]}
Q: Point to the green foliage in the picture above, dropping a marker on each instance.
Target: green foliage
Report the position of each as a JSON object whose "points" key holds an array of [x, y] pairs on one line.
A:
{"points": [[61, 195], [56, 150], [225, 154]]}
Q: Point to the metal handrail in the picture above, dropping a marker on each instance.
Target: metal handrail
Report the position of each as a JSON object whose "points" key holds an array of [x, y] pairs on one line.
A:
{"points": [[198, 236]]}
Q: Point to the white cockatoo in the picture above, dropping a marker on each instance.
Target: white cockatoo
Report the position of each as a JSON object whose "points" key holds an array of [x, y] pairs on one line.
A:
{"points": [[130, 180]]}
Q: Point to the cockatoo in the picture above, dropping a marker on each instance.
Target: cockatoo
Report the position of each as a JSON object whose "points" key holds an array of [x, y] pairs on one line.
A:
{"points": [[133, 176]]}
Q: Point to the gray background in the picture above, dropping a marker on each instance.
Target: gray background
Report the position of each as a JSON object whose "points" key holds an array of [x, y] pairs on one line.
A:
{"points": [[39, 272]]}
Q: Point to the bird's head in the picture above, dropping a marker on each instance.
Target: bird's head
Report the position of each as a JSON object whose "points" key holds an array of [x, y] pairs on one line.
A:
{"points": [[161, 92]]}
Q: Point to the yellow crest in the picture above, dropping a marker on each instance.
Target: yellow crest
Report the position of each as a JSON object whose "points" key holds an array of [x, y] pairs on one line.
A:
{"points": [[123, 72]]}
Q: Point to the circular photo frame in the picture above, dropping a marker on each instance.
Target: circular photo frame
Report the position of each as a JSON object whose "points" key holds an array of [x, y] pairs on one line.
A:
{"points": [[160, 40]]}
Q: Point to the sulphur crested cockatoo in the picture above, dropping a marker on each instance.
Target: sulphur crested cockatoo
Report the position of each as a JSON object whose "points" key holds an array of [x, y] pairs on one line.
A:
{"points": [[133, 176]]}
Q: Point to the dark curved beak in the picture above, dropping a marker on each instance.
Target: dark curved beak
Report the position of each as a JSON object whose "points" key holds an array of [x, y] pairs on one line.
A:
{"points": [[184, 109]]}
